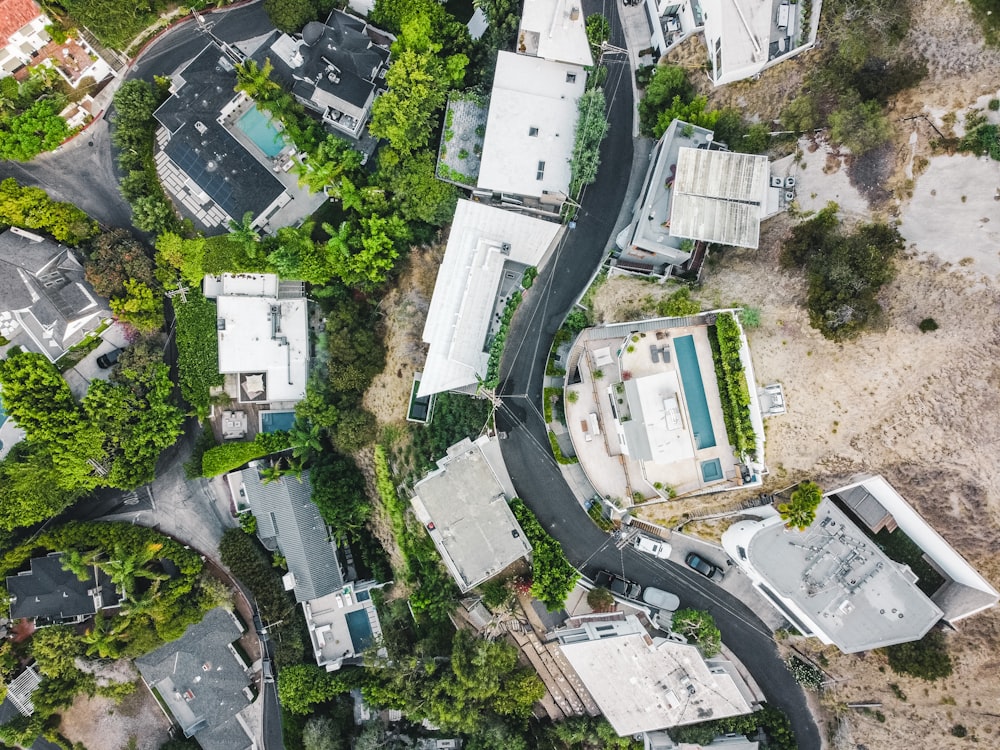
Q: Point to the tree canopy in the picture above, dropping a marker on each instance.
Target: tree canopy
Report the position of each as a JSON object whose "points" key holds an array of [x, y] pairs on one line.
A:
{"points": [[31, 208], [700, 627], [800, 511]]}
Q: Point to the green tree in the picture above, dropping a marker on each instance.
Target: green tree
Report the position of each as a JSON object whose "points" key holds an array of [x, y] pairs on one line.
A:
{"points": [[54, 649], [302, 686], [693, 112], [668, 82], [800, 114], [113, 258], [291, 15], [552, 575], [800, 511], [39, 128], [31, 487], [31, 208], [197, 350], [185, 256], [600, 599], [141, 307], [699, 627], [861, 126], [419, 195], [322, 733], [598, 32], [255, 80], [338, 490], [927, 658], [333, 158]]}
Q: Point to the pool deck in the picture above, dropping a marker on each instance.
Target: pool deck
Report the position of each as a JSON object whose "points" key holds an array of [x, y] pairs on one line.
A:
{"points": [[615, 474]]}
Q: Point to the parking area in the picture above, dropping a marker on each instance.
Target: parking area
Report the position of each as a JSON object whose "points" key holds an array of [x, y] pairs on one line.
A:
{"points": [[87, 369]]}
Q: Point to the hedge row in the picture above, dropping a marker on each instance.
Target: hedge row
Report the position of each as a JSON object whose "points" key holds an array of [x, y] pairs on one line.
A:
{"points": [[552, 575], [726, 341], [496, 348], [230, 456]]}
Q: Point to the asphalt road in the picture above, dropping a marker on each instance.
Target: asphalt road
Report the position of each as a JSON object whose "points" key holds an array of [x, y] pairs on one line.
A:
{"points": [[526, 451]]}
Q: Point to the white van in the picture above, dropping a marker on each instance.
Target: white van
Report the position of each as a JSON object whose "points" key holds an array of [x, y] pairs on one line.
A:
{"points": [[652, 547]]}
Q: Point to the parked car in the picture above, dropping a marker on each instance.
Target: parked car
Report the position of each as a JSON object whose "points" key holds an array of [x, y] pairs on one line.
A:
{"points": [[709, 570], [662, 600], [653, 547], [108, 359], [618, 585]]}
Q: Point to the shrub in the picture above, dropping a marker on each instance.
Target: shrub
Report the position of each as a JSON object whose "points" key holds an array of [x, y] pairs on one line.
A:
{"points": [[600, 599], [557, 451], [994, 105], [197, 351], [552, 575], [805, 673], [927, 658], [230, 456], [492, 379], [726, 342], [927, 325], [959, 731]]}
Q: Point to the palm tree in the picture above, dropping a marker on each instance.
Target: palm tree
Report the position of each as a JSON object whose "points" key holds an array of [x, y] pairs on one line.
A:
{"points": [[244, 233], [102, 639], [272, 472], [306, 439], [800, 511], [123, 568], [81, 564], [255, 81]]}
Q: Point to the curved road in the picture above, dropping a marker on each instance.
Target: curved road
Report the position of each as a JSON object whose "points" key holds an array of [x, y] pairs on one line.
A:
{"points": [[526, 451]]}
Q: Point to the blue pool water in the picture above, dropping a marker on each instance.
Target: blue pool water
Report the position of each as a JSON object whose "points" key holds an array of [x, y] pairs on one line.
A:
{"points": [[3, 414], [711, 471], [260, 130], [360, 629], [276, 421], [694, 392]]}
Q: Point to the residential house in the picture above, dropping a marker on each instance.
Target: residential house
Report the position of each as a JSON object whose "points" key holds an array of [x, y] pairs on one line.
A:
{"points": [[46, 304], [530, 130], [488, 251], [463, 506], [263, 332], [22, 33], [340, 615], [335, 69], [642, 683], [204, 683], [696, 191], [831, 580], [743, 37], [554, 30], [49, 594]]}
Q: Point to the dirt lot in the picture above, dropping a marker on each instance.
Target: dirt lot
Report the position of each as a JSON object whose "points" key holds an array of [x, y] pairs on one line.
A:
{"points": [[101, 725]]}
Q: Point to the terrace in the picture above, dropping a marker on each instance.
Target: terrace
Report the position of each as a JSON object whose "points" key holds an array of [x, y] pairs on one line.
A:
{"points": [[646, 420]]}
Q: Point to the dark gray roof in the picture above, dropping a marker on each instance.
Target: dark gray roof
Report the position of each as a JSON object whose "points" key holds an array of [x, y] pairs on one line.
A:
{"points": [[201, 682], [357, 52], [48, 592], [41, 277], [208, 154], [285, 511]]}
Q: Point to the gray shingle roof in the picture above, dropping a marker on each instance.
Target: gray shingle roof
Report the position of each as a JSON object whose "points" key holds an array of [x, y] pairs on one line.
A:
{"points": [[285, 511], [47, 591], [201, 682]]}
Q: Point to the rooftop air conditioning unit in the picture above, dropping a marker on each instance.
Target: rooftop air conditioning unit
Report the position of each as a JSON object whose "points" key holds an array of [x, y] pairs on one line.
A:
{"points": [[789, 182], [505, 248], [776, 181]]}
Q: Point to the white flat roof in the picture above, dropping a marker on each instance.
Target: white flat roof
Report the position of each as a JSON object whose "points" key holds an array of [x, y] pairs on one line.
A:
{"points": [[848, 591], [250, 342], [654, 401], [241, 285], [529, 92], [719, 196], [641, 685], [458, 320], [744, 29], [555, 30], [463, 505]]}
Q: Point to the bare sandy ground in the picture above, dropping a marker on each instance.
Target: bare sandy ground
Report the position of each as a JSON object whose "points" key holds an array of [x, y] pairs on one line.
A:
{"points": [[100, 723]]}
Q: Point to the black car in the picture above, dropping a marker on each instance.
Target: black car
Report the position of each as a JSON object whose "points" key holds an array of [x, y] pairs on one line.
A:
{"points": [[108, 359], [618, 585], [709, 570]]}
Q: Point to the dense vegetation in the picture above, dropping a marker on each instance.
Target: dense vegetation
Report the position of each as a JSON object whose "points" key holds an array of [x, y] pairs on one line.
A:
{"points": [[197, 350], [112, 438], [492, 379], [29, 114], [698, 626], [119, 268], [134, 134], [726, 341], [158, 606], [456, 416], [229, 456], [31, 208], [590, 131], [552, 575], [861, 65], [927, 658], [846, 270]]}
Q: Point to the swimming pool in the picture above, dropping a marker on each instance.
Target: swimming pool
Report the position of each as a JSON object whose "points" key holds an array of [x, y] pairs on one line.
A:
{"points": [[3, 414], [260, 130], [711, 471], [694, 392], [276, 421], [360, 629]]}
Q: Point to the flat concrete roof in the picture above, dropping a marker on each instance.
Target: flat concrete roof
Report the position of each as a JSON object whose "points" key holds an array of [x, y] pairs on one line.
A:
{"points": [[719, 196], [531, 95], [465, 294], [266, 335], [658, 429], [642, 685], [555, 30], [835, 576], [463, 505]]}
